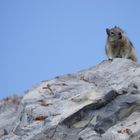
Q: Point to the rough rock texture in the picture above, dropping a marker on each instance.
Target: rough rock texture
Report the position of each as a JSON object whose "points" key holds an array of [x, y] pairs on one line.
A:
{"points": [[8, 109], [99, 103]]}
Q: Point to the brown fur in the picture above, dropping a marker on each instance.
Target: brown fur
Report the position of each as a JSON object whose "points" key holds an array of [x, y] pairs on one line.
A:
{"points": [[118, 45]]}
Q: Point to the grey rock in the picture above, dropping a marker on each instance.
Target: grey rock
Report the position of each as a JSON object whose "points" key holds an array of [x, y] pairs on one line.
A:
{"points": [[8, 117], [98, 103]]}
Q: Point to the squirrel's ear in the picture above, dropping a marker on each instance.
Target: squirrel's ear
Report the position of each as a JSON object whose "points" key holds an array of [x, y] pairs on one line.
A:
{"points": [[115, 27], [107, 31]]}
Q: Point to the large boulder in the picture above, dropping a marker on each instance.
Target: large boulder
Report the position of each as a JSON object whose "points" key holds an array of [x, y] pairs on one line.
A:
{"points": [[98, 103]]}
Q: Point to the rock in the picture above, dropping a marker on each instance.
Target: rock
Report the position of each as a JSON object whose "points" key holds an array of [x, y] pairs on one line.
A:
{"points": [[99, 103], [127, 129], [8, 117]]}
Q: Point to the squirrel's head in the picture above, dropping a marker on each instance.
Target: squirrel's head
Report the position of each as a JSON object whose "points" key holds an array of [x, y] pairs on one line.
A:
{"points": [[114, 34]]}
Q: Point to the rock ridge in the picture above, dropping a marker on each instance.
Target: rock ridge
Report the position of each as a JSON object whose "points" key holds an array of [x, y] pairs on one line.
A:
{"points": [[98, 103]]}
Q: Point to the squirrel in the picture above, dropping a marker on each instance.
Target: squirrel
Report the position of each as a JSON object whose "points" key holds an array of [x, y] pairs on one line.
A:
{"points": [[118, 45]]}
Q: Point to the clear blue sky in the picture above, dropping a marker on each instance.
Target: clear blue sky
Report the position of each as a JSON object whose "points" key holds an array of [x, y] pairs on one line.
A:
{"points": [[40, 39]]}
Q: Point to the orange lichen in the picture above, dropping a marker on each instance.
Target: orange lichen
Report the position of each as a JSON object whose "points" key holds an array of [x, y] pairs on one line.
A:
{"points": [[125, 130], [40, 118], [43, 103]]}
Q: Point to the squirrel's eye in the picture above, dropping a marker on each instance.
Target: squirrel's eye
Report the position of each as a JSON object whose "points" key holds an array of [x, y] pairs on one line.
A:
{"points": [[112, 33]]}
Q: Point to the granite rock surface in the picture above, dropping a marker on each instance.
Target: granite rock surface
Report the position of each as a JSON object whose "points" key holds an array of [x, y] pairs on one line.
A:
{"points": [[98, 103]]}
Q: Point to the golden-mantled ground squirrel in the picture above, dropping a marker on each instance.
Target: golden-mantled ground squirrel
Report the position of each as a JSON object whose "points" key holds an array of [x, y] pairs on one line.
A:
{"points": [[118, 45]]}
